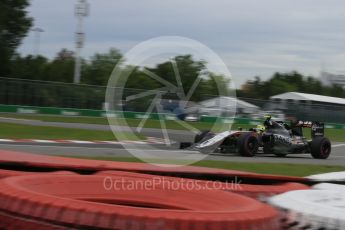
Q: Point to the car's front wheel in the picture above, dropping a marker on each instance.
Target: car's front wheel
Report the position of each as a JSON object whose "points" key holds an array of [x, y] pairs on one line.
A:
{"points": [[248, 144]]}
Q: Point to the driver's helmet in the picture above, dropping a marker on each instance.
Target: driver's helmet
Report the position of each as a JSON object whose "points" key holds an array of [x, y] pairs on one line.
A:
{"points": [[260, 128], [268, 121]]}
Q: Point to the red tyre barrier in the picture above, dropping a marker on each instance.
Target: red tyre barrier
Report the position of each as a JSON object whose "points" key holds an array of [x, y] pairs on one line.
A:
{"points": [[63, 173], [9, 173], [89, 202], [10, 222], [253, 191], [62, 163]]}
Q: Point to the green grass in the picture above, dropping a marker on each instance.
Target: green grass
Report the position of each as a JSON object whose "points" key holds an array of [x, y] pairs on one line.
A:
{"points": [[337, 135], [49, 133], [40, 132], [66, 119], [104, 121], [265, 168], [130, 122], [274, 168]]}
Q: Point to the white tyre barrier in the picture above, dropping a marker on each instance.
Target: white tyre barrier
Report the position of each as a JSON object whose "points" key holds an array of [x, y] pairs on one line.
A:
{"points": [[312, 209], [333, 176], [330, 187]]}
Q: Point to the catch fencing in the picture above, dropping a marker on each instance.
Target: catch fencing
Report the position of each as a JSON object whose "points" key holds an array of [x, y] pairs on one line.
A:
{"points": [[72, 99]]}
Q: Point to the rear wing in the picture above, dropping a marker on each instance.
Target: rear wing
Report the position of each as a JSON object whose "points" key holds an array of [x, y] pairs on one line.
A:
{"points": [[317, 128]]}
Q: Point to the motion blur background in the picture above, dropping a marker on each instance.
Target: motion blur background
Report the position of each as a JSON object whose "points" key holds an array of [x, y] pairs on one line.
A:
{"points": [[41, 55]]}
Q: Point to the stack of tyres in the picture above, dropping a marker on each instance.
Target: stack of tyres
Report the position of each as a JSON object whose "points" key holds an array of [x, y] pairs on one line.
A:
{"points": [[260, 192], [82, 202], [321, 207], [10, 173], [49, 193], [81, 165], [312, 209]]}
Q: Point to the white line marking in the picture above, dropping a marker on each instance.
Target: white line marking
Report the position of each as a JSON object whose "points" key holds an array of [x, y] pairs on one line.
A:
{"points": [[14, 119], [44, 141], [122, 142], [149, 140], [6, 140], [80, 142], [338, 145], [93, 148], [110, 142]]}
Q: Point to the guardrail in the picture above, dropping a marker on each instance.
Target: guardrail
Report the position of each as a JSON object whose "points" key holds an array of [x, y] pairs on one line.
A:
{"points": [[130, 115]]}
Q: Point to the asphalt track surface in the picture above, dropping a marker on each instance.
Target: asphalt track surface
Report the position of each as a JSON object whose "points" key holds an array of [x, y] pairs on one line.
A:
{"points": [[337, 157], [117, 150]]}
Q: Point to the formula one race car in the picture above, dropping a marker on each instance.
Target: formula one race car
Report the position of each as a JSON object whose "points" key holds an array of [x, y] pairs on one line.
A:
{"points": [[273, 137]]}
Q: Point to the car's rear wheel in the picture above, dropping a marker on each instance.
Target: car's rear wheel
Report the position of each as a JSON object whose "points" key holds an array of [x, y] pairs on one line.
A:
{"points": [[320, 148], [248, 144]]}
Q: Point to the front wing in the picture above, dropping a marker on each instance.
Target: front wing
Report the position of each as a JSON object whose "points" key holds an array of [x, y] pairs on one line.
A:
{"points": [[211, 144]]}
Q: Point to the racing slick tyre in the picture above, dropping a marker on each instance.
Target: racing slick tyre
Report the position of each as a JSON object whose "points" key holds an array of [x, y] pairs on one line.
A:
{"points": [[202, 135], [248, 145], [320, 148]]}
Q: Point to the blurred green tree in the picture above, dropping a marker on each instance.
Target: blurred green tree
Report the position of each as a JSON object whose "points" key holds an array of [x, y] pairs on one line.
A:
{"points": [[14, 25], [29, 67], [100, 67], [287, 82], [191, 72], [61, 68]]}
